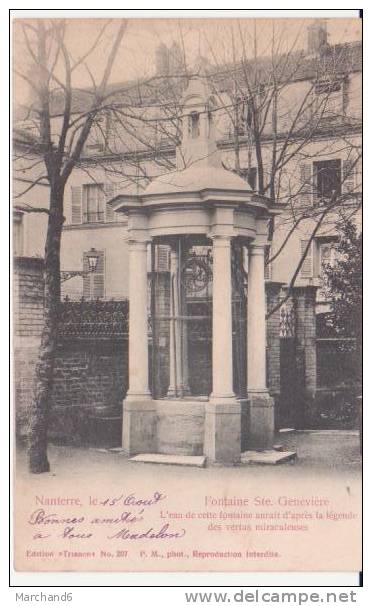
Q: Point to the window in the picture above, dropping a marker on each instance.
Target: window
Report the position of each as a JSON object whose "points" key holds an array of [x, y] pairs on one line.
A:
{"points": [[194, 125], [242, 118], [18, 234], [89, 203], [94, 282], [325, 87], [330, 98], [327, 255], [93, 203], [327, 179], [307, 268], [210, 123]]}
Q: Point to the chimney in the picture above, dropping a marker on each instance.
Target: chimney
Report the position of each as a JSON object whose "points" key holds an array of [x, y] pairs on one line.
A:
{"points": [[175, 59], [317, 36], [162, 60]]}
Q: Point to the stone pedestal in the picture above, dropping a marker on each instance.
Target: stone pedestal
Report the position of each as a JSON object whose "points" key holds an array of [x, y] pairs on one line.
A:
{"points": [[261, 420], [139, 426], [180, 427], [222, 432]]}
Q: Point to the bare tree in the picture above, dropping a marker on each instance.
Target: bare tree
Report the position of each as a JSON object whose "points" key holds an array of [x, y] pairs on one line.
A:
{"points": [[45, 43], [274, 120], [136, 129]]}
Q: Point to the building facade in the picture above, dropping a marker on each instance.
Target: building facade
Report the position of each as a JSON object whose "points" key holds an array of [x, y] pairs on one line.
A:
{"points": [[314, 124]]}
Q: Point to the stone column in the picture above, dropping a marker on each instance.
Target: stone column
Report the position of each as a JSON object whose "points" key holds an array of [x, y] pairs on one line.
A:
{"points": [[305, 304], [175, 369], [184, 327], [261, 405], [222, 320], [223, 411], [138, 410], [273, 294]]}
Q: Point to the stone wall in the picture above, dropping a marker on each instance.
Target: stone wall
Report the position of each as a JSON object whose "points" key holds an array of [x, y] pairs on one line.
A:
{"points": [[28, 296], [90, 382], [273, 290]]}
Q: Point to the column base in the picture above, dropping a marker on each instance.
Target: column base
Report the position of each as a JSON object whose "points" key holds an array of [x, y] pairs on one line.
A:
{"points": [[176, 393], [138, 396], [261, 420], [222, 431], [139, 425], [185, 389], [172, 393], [229, 398]]}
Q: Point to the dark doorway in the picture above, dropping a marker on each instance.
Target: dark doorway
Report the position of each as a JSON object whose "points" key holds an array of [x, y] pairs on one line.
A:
{"points": [[286, 410]]}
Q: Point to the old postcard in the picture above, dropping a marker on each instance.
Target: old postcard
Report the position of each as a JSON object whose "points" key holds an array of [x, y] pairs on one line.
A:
{"points": [[187, 294]]}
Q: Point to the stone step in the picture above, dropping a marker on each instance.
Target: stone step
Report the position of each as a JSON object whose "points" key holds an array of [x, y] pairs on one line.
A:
{"points": [[267, 457], [165, 459]]}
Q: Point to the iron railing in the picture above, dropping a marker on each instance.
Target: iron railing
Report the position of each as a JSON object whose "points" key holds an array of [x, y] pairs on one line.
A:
{"points": [[94, 319]]}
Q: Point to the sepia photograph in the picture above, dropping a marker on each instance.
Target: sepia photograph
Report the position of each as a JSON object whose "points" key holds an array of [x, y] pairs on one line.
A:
{"points": [[187, 293]]}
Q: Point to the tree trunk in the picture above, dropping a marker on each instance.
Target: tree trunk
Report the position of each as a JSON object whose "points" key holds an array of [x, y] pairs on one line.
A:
{"points": [[39, 413]]}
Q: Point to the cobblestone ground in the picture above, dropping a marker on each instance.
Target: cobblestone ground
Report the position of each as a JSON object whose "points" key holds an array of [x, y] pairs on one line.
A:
{"points": [[323, 453]]}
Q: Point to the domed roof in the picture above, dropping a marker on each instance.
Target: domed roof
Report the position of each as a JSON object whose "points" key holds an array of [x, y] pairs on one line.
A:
{"points": [[196, 178], [198, 149]]}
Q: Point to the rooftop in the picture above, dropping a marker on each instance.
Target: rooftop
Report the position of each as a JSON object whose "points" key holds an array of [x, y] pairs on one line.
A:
{"points": [[342, 58]]}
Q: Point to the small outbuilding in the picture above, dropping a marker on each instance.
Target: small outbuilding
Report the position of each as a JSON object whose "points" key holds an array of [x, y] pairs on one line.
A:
{"points": [[199, 206]]}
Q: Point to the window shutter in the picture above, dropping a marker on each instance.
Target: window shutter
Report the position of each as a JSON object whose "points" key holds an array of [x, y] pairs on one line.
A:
{"points": [[268, 268], [110, 191], [307, 264], [76, 203], [306, 183], [98, 286], [162, 258], [86, 287], [348, 176]]}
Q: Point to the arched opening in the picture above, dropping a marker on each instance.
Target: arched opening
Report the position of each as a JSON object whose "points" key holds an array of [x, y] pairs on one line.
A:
{"points": [[194, 125]]}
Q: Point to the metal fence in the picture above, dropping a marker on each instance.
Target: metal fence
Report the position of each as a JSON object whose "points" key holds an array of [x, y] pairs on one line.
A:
{"points": [[94, 319]]}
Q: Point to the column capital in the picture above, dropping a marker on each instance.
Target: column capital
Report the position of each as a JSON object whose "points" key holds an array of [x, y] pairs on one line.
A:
{"points": [[257, 248], [135, 242], [221, 240]]}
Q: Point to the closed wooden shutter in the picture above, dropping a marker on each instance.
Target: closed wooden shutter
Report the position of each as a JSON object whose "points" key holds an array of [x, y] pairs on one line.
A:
{"points": [[162, 258], [98, 286], [306, 183], [94, 282], [86, 287], [110, 192], [76, 203], [307, 268], [348, 176], [268, 268]]}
